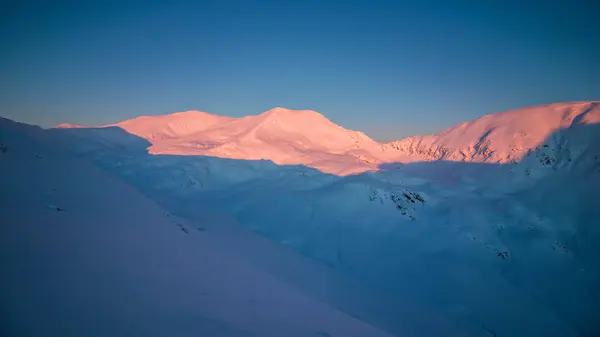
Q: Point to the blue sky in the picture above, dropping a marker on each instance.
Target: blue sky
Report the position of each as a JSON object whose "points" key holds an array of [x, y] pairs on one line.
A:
{"points": [[389, 68]]}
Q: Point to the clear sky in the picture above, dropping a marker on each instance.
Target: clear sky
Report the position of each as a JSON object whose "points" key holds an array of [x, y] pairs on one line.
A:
{"points": [[389, 68]]}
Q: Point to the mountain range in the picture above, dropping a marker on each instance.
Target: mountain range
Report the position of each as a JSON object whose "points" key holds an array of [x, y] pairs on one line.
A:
{"points": [[304, 137], [487, 228]]}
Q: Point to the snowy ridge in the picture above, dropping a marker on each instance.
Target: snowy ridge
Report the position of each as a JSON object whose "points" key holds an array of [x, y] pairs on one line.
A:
{"points": [[502, 137], [175, 125], [304, 137], [461, 246], [507, 246], [84, 254], [283, 136], [70, 126]]}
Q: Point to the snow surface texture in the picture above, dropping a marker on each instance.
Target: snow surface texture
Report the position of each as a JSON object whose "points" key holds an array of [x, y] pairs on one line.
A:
{"points": [[486, 228], [84, 254]]}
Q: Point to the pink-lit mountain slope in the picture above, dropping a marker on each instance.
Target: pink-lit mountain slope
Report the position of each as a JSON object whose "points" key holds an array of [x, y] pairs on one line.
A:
{"points": [[280, 135], [308, 138], [501, 137], [84, 254]]}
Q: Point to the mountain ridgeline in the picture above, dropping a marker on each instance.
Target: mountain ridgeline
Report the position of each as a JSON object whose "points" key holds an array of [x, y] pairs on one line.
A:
{"points": [[304, 137], [486, 228]]}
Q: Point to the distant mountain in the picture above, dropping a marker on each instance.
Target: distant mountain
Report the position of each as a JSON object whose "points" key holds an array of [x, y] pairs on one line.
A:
{"points": [[176, 125], [489, 227], [281, 135], [70, 126], [501, 137], [97, 258], [304, 137]]}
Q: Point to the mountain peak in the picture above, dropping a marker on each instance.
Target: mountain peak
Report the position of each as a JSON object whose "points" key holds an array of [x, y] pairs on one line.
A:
{"points": [[69, 126], [279, 111], [306, 137], [191, 113], [179, 116], [178, 124], [500, 137]]}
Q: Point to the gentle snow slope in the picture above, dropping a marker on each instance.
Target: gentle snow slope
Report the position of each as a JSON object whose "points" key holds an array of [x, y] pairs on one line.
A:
{"points": [[86, 255]]}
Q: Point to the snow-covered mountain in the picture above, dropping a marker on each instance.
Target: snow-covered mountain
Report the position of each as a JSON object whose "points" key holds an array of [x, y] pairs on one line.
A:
{"points": [[487, 228], [84, 254], [303, 137], [501, 137], [280, 135]]}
